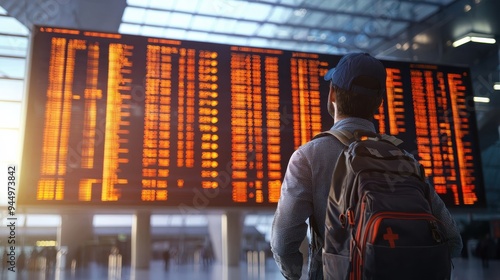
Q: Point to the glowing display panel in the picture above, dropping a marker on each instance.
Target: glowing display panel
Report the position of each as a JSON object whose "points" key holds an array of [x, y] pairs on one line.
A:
{"points": [[126, 121]]}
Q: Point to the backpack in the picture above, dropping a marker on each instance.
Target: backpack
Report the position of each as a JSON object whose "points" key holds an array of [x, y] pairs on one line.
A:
{"points": [[379, 222]]}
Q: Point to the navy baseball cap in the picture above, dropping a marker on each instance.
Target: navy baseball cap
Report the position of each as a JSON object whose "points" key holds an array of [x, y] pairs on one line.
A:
{"points": [[359, 73]]}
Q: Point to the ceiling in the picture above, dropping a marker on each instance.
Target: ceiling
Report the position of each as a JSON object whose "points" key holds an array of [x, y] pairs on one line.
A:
{"points": [[325, 26], [333, 26], [415, 30]]}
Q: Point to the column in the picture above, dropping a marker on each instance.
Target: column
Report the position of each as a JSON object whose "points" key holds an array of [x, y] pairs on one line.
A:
{"points": [[215, 231], [74, 231], [226, 231], [141, 240], [232, 232]]}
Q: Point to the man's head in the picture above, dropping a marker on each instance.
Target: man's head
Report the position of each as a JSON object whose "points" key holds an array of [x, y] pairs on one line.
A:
{"points": [[357, 85]]}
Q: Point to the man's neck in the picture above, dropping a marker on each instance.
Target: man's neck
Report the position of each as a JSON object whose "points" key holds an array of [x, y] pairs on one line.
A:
{"points": [[338, 118]]}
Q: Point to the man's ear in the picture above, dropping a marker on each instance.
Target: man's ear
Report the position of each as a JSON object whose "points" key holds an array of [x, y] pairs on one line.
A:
{"points": [[331, 94]]}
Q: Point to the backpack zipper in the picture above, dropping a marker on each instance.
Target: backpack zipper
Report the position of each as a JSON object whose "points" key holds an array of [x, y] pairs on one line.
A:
{"points": [[377, 219], [356, 253]]}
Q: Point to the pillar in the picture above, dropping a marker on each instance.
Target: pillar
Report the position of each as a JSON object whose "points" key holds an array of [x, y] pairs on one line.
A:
{"points": [[232, 232], [215, 232], [141, 240], [226, 232], [74, 231]]}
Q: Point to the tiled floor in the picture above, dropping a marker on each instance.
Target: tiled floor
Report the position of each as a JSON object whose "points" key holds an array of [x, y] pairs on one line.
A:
{"points": [[465, 269]]}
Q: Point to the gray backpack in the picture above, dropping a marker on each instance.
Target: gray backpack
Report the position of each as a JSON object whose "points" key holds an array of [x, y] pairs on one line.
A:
{"points": [[379, 222]]}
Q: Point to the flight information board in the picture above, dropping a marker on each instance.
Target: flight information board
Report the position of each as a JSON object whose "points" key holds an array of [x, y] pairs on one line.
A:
{"points": [[125, 120]]}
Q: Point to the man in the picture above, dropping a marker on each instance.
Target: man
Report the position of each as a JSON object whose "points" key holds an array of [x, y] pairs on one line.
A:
{"points": [[357, 85]]}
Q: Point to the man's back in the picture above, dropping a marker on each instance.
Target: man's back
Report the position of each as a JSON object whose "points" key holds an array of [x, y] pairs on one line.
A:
{"points": [[304, 194], [357, 87]]}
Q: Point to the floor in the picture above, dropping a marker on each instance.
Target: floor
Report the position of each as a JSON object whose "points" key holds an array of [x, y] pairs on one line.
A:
{"points": [[465, 269]]}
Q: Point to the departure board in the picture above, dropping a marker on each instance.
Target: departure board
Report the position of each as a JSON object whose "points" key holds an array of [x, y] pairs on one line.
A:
{"points": [[126, 121]]}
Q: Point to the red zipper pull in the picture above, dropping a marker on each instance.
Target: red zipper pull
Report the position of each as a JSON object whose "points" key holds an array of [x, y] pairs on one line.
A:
{"points": [[350, 217]]}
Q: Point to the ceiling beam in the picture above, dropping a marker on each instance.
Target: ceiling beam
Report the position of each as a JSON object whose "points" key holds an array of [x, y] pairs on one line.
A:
{"points": [[13, 35], [90, 15], [444, 15], [346, 13], [319, 43], [260, 23]]}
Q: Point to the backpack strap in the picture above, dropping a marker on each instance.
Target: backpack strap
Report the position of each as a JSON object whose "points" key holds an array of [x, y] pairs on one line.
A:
{"points": [[344, 136]]}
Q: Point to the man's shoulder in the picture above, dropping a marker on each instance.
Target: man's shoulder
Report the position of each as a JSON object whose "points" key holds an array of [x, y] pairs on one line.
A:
{"points": [[321, 144]]}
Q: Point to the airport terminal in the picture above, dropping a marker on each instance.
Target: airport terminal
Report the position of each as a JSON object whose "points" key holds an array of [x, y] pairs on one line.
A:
{"points": [[148, 139]]}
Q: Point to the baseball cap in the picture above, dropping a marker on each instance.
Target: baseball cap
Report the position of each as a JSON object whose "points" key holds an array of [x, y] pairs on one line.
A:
{"points": [[359, 73]]}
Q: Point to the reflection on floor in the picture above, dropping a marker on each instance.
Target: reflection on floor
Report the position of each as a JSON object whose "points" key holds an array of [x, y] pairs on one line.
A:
{"points": [[465, 269]]}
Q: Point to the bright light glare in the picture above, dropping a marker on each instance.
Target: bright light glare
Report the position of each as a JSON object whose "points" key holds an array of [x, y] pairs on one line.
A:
{"points": [[461, 41], [481, 99], [112, 220], [483, 40], [475, 39]]}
